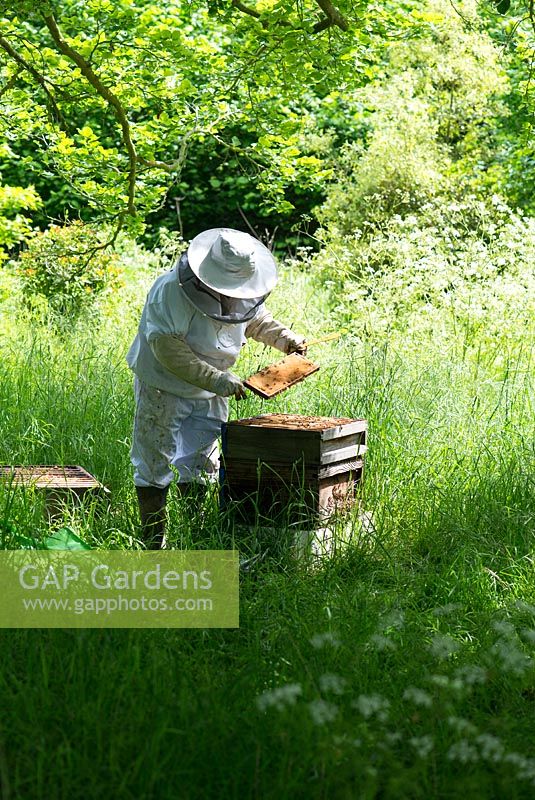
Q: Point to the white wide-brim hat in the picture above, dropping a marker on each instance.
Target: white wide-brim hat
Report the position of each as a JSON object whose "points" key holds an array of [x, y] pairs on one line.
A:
{"points": [[232, 263]]}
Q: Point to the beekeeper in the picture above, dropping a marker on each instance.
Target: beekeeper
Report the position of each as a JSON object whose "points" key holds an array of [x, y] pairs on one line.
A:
{"points": [[196, 319]]}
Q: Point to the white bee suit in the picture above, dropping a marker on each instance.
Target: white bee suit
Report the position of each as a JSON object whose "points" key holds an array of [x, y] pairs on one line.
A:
{"points": [[178, 421]]}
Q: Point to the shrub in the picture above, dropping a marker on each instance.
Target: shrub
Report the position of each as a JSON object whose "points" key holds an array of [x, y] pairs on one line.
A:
{"points": [[429, 131], [14, 226], [462, 267], [68, 267]]}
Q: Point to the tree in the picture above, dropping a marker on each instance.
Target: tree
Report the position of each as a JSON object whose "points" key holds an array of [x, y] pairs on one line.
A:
{"points": [[112, 94]]}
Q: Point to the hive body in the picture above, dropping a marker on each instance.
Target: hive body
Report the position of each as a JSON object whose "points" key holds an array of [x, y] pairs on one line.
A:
{"points": [[301, 467]]}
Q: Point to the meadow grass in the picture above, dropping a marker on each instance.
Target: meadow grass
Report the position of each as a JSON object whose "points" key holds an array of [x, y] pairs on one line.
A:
{"points": [[401, 667]]}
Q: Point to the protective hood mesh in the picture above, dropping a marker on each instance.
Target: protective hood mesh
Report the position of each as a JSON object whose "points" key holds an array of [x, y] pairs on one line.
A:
{"points": [[208, 301]]}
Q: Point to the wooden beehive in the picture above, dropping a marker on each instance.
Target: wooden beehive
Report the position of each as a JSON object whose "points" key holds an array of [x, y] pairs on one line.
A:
{"points": [[290, 465], [58, 483]]}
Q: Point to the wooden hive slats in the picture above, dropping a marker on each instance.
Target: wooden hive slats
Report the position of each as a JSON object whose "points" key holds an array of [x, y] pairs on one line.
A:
{"points": [[346, 429], [52, 477], [280, 445], [272, 460], [249, 471], [273, 497], [271, 443]]}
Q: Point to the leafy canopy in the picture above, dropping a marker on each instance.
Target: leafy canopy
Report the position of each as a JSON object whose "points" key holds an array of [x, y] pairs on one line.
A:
{"points": [[112, 94]]}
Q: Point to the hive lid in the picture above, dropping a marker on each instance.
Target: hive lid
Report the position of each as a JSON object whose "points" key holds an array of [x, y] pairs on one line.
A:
{"points": [[278, 377], [49, 476]]}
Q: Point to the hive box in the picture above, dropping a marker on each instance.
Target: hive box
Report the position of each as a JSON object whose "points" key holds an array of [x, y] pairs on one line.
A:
{"points": [[58, 483], [298, 468]]}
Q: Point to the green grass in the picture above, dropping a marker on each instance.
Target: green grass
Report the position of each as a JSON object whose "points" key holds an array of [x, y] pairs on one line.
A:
{"points": [[400, 668]]}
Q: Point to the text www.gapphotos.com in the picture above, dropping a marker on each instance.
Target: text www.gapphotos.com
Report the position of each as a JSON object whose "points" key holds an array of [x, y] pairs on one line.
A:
{"points": [[111, 605]]}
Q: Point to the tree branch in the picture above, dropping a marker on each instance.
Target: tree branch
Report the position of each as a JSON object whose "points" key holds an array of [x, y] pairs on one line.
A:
{"points": [[36, 76], [109, 96], [333, 15], [8, 85], [246, 9]]}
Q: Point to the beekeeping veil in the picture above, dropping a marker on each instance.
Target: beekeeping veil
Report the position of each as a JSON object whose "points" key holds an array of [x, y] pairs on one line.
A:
{"points": [[227, 274]]}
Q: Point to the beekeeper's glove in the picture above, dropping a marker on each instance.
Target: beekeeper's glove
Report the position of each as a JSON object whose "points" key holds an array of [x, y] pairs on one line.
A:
{"points": [[229, 384], [263, 328], [297, 344], [178, 357]]}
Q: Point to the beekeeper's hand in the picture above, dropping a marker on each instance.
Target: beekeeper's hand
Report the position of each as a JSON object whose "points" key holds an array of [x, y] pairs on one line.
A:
{"points": [[227, 384], [263, 328], [300, 347]]}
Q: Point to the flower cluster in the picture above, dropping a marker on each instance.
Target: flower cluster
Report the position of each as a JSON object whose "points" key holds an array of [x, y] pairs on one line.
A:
{"points": [[67, 267]]}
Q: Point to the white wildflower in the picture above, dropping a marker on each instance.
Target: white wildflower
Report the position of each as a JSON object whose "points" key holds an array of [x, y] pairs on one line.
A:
{"points": [[346, 740], [321, 711], [449, 608], [380, 642], [526, 766], [393, 737], [332, 683], [503, 627], [528, 634], [442, 681], [461, 725], [280, 697], [471, 674], [527, 608], [372, 704], [516, 759], [463, 751], [320, 640], [418, 696], [443, 646], [422, 744], [509, 657], [490, 747], [392, 619]]}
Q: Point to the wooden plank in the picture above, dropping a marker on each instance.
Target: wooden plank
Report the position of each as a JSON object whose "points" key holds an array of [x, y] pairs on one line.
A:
{"points": [[275, 445], [277, 499], [345, 429], [289, 442], [340, 455], [251, 470], [51, 477], [335, 496], [281, 445], [354, 440], [278, 377], [353, 465], [267, 476]]}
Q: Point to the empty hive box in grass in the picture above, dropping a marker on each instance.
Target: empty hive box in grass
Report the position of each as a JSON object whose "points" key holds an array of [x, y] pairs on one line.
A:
{"points": [[58, 483], [292, 466]]}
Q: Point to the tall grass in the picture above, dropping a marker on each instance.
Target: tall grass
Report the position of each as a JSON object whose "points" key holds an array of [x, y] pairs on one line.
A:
{"points": [[402, 667]]}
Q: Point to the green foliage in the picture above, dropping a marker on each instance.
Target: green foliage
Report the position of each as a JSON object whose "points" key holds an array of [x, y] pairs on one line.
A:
{"points": [[402, 667], [464, 266], [179, 73], [396, 172], [68, 268], [14, 225], [428, 119]]}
